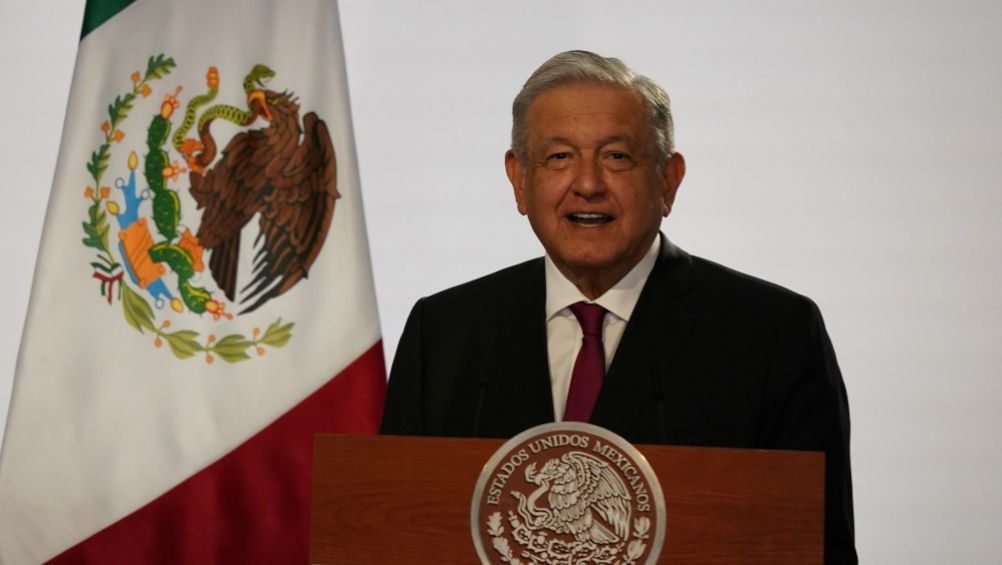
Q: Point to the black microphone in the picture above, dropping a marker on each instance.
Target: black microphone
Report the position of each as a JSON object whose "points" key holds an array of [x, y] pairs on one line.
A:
{"points": [[484, 385], [659, 400]]}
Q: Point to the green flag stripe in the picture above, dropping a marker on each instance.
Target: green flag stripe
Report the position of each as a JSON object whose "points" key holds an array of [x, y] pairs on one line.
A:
{"points": [[96, 12]]}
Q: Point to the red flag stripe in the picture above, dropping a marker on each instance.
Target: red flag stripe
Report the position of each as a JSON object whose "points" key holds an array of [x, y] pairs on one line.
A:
{"points": [[252, 505]]}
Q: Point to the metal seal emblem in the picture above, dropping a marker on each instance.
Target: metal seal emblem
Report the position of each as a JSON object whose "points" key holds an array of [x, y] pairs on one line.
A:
{"points": [[568, 492]]}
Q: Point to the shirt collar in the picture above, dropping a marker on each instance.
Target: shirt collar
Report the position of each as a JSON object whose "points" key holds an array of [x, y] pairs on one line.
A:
{"points": [[620, 299]]}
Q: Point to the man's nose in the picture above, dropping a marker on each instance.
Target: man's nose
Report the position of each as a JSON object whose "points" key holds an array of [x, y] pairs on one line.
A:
{"points": [[588, 179]]}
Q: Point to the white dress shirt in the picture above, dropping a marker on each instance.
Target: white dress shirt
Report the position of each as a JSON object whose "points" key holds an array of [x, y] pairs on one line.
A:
{"points": [[563, 332]]}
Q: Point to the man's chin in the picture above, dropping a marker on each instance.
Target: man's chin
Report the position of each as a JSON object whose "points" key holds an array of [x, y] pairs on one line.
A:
{"points": [[596, 258], [588, 262]]}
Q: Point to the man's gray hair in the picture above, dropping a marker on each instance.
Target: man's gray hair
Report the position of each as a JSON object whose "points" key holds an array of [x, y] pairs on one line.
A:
{"points": [[587, 67]]}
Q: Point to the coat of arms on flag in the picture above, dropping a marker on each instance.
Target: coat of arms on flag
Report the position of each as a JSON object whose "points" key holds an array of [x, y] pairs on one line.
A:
{"points": [[268, 172]]}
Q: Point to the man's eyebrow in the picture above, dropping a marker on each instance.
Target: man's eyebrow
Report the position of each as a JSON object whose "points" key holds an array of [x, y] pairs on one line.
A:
{"points": [[602, 143], [556, 141], [615, 139]]}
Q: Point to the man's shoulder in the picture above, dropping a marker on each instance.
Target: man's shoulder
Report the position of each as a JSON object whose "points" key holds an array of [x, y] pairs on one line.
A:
{"points": [[724, 278], [681, 273], [728, 286], [511, 281]]}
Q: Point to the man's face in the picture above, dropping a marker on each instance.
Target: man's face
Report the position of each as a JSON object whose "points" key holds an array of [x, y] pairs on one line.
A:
{"points": [[590, 184]]}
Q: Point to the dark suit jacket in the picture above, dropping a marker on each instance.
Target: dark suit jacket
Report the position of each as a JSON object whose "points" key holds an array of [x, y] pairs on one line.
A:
{"points": [[710, 357]]}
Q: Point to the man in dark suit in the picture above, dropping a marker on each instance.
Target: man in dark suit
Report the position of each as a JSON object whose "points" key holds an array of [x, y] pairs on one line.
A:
{"points": [[680, 350]]}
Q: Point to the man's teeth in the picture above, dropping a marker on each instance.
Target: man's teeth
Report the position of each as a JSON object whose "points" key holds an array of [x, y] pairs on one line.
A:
{"points": [[589, 218]]}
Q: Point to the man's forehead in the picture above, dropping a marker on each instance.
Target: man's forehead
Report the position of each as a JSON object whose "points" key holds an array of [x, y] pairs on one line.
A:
{"points": [[554, 140], [596, 113]]}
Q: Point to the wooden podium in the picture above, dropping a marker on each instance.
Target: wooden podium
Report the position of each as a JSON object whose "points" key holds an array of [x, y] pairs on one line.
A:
{"points": [[391, 499]]}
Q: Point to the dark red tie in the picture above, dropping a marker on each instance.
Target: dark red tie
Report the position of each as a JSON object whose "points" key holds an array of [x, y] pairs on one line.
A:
{"points": [[589, 368]]}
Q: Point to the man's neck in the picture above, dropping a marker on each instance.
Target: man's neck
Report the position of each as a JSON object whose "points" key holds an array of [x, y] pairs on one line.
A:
{"points": [[593, 283]]}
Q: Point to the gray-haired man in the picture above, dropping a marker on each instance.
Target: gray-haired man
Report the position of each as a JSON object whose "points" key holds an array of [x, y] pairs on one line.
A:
{"points": [[694, 353]]}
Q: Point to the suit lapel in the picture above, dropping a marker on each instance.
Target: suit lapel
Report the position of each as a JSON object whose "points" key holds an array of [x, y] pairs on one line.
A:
{"points": [[658, 327], [524, 396]]}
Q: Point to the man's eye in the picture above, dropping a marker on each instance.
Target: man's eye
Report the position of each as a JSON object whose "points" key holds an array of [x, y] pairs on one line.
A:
{"points": [[558, 160], [619, 161]]}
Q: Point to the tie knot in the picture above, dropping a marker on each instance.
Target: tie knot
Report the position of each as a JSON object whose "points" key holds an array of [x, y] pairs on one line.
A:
{"points": [[590, 317]]}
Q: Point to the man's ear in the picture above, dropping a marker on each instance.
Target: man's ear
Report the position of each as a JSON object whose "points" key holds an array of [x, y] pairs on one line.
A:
{"points": [[671, 176], [517, 177]]}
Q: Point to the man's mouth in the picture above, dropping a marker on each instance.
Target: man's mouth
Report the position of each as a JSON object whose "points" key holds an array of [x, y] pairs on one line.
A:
{"points": [[589, 218]]}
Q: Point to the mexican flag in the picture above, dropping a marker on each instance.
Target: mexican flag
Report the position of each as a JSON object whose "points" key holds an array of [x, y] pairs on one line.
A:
{"points": [[203, 300]]}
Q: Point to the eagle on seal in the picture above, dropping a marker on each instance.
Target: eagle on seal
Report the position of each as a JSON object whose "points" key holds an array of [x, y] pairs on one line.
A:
{"points": [[586, 499], [284, 172]]}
